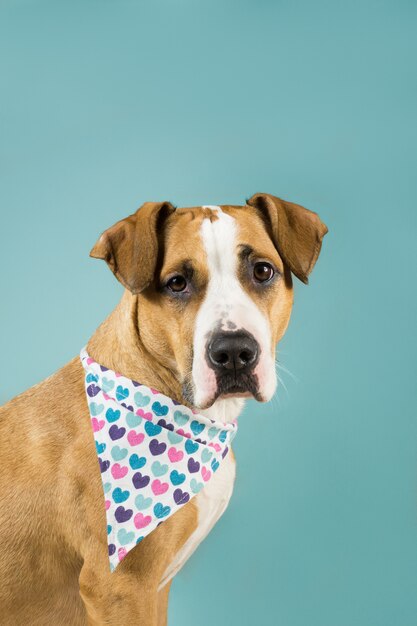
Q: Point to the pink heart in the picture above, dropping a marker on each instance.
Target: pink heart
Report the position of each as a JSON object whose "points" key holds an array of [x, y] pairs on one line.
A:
{"points": [[154, 391], [119, 471], [107, 504], [97, 424], [135, 438], [205, 474], [90, 360], [158, 487], [142, 520], [146, 416], [180, 431], [216, 446], [121, 553], [106, 397], [175, 455]]}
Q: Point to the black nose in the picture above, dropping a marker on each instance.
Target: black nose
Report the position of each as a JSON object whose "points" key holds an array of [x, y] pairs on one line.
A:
{"points": [[232, 351]]}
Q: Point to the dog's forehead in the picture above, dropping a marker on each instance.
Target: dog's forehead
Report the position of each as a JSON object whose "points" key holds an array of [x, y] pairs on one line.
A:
{"points": [[184, 226]]}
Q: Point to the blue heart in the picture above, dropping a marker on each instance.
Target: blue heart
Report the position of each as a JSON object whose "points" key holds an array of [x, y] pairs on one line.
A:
{"points": [[119, 495], [196, 427], [214, 465], [118, 453], [161, 511], [124, 537], [100, 447], [122, 393], [107, 384], [142, 502], [106, 487], [136, 462], [176, 478], [91, 378], [196, 486], [109, 529], [191, 446], [152, 429], [133, 420], [141, 400], [180, 418], [158, 469], [96, 409], [112, 415], [174, 437], [159, 409]]}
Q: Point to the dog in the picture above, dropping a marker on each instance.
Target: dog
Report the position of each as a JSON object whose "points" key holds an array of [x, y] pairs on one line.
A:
{"points": [[208, 295]]}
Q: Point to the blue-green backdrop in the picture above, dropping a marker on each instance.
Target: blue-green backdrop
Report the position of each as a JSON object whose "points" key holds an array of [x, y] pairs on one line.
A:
{"points": [[107, 104]]}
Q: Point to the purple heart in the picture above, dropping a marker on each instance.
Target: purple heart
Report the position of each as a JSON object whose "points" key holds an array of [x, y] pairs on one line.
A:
{"points": [[201, 441], [122, 514], [103, 369], [115, 432], [112, 549], [193, 466], [139, 480], [181, 497], [127, 406], [93, 390], [104, 465], [135, 384], [163, 423], [157, 448], [225, 451]]}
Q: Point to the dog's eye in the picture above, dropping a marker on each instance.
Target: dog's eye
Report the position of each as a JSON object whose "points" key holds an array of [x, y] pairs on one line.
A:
{"points": [[177, 283], [262, 272]]}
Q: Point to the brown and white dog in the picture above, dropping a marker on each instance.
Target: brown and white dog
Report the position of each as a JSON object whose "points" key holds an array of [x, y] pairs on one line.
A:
{"points": [[208, 296]]}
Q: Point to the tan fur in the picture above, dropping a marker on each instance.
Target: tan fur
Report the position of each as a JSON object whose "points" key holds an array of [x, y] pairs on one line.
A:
{"points": [[54, 566]]}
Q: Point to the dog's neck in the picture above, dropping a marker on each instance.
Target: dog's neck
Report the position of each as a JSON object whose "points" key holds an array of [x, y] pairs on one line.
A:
{"points": [[117, 344]]}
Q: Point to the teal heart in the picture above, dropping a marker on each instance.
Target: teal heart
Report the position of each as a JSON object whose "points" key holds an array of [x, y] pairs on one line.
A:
{"points": [[124, 537], [174, 437], [152, 429], [141, 400], [158, 469], [195, 485], [122, 393], [214, 465], [106, 487], [118, 453], [212, 432], [96, 409], [206, 455], [119, 495], [100, 447], [106, 384], [133, 420], [142, 502], [191, 446], [196, 427], [159, 409], [136, 462], [109, 529], [161, 511], [180, 418], [112, 415], [91, 378], [176, 478], [223, 435]]}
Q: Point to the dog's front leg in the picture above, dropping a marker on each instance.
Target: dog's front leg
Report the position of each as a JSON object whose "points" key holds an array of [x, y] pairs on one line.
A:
{"points": [[121, 598]]}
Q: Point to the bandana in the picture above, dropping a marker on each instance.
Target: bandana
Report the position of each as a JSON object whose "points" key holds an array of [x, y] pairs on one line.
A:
{"points": [[154, 453]]}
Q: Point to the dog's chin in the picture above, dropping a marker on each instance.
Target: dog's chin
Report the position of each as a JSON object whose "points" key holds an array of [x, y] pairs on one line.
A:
{"points": [[228, 388]]}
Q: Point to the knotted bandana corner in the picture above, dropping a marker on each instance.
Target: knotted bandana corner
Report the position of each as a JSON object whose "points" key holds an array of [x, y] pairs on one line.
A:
{"points": [[154, 453]]}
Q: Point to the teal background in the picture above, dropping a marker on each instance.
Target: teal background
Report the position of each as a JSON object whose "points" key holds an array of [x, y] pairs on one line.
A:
{"points": [[107, 104]]}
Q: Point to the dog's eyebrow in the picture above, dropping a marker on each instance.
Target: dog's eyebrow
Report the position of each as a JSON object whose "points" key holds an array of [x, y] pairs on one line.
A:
{"points": [[245, 251]]}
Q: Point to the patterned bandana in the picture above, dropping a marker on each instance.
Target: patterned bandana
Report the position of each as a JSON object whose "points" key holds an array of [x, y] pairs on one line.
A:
{"points": [[154, 453]]}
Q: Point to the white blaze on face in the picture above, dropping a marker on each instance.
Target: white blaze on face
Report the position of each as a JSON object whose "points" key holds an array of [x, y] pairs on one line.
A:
{"points": [[227, 307]]}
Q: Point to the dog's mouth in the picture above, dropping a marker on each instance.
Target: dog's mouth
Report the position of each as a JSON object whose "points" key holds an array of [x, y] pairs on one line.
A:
{"points": [[242, 386]]}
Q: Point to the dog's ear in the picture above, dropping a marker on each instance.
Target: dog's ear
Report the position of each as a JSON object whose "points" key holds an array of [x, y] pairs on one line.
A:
{"points": [[296, 232], [130, 247]]}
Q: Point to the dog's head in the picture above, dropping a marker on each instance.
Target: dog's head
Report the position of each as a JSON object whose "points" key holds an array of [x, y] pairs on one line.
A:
{"points": [[214, 288]]}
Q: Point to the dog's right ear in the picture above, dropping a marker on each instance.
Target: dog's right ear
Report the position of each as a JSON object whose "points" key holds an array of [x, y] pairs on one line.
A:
{"points": [[130, 247]]}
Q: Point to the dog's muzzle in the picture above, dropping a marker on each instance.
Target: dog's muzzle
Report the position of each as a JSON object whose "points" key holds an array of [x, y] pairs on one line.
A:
{"points": [[233, 357]]}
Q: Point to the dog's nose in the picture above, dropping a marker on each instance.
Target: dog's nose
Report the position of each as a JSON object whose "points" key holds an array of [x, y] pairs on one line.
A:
{"points": [[232, 351]]}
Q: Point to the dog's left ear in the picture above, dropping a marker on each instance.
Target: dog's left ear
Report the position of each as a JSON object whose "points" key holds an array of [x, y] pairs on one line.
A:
{"points": [[130, 247], [297, 232]]}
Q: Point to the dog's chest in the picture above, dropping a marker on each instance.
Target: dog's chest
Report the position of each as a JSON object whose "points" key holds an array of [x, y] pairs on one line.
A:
{"points": [[212, 502]]}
